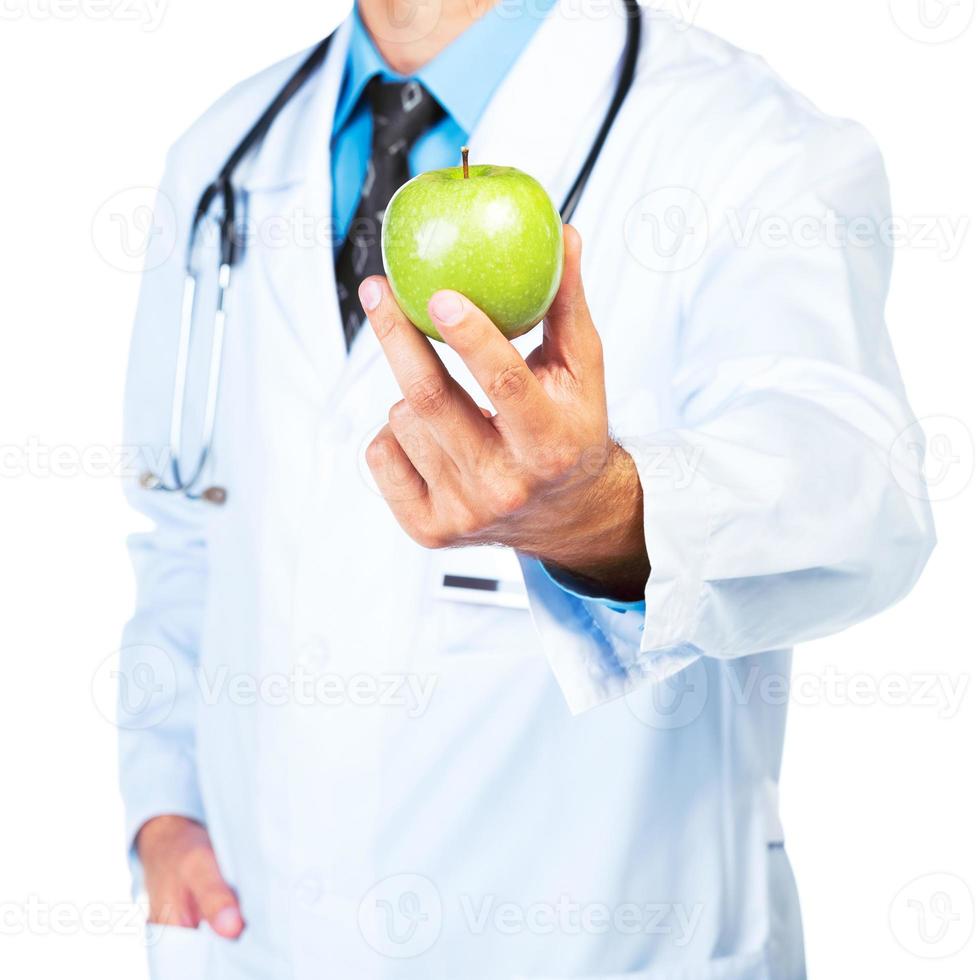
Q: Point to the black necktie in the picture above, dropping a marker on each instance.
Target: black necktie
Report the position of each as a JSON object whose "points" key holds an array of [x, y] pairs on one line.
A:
{"points": [[400, 112]]}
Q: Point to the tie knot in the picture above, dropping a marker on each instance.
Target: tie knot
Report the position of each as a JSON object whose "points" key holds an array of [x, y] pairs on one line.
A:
{"points": [[401, 111]]}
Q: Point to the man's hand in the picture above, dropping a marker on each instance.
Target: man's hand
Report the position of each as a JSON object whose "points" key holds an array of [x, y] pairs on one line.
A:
{"points": [[542, 475], [183, 882]]}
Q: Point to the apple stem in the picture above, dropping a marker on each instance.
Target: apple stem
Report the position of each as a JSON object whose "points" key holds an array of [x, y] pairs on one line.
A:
{"points": [[466, 161]]}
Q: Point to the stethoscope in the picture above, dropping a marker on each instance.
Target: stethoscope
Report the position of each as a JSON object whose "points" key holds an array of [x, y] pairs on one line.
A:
{"points": [[221, 189]]}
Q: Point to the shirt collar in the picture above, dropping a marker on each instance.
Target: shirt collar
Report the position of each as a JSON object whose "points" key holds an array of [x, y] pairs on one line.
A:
{"points": [[464, 75]]}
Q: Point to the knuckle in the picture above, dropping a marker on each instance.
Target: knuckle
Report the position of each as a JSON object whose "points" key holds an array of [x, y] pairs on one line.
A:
{"points": [[510, 383], [213, 894], [431, 539], [379, 452], [401, 411], [510, 498], [385, 324], [558, 460], [428, 396]]}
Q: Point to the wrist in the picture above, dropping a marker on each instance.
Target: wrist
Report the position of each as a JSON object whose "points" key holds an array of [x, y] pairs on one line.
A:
{"points": [[602, 542], [164, 828]]}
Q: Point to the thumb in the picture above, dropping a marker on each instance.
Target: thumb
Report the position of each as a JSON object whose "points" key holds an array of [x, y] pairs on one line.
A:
{"points": [[569, 334], [215, 900]]}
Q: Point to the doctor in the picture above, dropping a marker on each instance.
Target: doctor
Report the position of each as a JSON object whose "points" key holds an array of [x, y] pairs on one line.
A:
{"points": [[351, 748]]}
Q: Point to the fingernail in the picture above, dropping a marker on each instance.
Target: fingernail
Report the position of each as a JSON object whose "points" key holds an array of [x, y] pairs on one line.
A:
{"points": [[369, 293], [227, 922], [446, 307]]}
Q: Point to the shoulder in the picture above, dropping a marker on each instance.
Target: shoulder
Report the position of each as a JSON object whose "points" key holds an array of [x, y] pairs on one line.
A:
{"points": [[204, 146], [713, 78], [731, 108]]}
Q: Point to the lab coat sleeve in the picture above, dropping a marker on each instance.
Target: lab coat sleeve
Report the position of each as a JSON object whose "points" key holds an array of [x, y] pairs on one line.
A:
{"points": [[157, 685], [788, 504]]}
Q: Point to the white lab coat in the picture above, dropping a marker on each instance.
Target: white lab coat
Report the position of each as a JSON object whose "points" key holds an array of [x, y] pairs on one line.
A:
{"points": [[478, 789]]}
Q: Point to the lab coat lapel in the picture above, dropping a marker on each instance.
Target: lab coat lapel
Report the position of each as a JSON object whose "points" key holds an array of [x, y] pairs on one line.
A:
{"points": [[290, 215], [544, 116]]}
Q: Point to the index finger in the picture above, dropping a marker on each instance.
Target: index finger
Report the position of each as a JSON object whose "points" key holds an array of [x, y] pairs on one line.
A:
{"points": [[517, 395], [423, 379], [410, 355]]}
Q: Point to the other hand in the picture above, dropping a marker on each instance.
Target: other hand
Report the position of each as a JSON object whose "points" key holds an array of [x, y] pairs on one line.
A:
{"points": [[184, 884]]}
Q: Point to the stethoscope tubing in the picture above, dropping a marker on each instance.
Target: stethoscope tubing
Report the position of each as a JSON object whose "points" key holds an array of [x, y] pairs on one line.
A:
{"points": [[222, 186]]}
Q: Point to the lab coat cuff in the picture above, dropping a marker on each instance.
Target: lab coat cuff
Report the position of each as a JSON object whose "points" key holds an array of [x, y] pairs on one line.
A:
{"points": [[593, 651], [677, 524], [164, 784]]}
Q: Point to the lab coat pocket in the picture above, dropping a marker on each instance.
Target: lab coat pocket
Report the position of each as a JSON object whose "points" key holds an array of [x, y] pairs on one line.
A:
{"points": [[178, 953], [478, 598]]}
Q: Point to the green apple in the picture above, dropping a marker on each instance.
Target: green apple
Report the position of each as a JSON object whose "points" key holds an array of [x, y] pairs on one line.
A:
{"points": [[488, 232]]}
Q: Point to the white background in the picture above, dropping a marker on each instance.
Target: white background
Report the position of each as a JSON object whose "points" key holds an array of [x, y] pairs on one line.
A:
{"points": [[878, 795]]}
